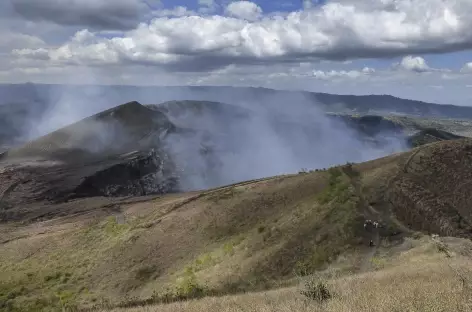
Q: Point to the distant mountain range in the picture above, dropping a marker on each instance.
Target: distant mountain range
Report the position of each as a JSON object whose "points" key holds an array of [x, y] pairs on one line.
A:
{"points": [[43, 95]]}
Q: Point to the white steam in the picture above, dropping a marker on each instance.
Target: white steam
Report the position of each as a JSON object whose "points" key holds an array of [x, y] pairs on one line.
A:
{"points": [[261, 136], [280, 136]]}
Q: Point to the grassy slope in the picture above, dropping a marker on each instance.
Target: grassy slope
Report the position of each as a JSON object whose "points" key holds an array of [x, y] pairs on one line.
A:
{"points": [[245, 236], [249, 236], [418, 276]]}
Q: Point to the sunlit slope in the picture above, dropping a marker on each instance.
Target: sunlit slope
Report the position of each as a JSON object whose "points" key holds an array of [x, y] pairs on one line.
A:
{"points": [[247, 236]]}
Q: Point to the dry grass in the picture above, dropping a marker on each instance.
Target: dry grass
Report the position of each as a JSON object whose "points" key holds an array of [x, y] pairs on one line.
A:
{"points": [[420, 279], [251, 236]]}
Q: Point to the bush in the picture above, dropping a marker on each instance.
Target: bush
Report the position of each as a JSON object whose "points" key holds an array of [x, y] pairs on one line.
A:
{"points": [[189, 286], [316, 290]]}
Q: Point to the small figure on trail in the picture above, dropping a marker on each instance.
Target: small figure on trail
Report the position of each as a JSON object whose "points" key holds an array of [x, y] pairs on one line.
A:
{"points": [[367, 223], [371, 243], [376, 224]]}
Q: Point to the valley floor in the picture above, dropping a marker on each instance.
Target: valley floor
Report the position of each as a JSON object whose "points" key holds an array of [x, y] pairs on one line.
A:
{"points": [[429, 275]]}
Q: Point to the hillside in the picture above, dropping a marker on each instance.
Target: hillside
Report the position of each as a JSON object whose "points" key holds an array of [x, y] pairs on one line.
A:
{"points": [[252, 235], [429, 136], [114, 153]]}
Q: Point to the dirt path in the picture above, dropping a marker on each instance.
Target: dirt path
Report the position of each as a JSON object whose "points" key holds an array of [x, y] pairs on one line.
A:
{"points": [[369, 212], [366, 262]]}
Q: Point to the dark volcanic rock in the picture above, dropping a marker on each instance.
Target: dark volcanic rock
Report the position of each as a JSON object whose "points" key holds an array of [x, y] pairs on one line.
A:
{"points": [[118, 152], [370, 125], [138, 176]]}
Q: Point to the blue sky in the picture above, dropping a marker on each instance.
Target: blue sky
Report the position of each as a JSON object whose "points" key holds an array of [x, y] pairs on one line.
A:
{"points": [[266, 5], [416, 49]]}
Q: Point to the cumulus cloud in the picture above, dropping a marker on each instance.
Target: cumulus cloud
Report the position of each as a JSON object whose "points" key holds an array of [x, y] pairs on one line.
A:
{"points": [[96, 14], [467, 68], [244, 10], [414, 63], [418, 64], [336, 31]]}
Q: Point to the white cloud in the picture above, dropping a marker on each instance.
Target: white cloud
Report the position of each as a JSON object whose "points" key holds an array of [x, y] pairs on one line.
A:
{"points": [[343, 74], [316, 48], [331, 31], [467, 68], [414, 63], [244, 10], [418, 64], [368, 70]]}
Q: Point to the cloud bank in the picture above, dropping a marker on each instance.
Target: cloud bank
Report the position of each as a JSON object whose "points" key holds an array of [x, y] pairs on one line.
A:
{"points": [[317, 45], [334, 31]]}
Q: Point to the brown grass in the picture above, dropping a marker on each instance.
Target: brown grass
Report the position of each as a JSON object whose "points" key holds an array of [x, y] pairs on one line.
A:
{"points": [[251, 236], [420, 279]]}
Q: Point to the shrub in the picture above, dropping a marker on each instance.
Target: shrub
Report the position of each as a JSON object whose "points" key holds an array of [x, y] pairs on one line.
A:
{"points": [[316, 290], [228, 249], [189, 286]]}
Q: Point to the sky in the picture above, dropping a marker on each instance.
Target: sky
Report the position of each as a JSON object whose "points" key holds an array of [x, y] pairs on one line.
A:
{"points": [[417, 49]]}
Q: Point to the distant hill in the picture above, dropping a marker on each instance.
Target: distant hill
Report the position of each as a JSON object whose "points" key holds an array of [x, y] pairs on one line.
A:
{"points": [[38, 94], [431, 135]]}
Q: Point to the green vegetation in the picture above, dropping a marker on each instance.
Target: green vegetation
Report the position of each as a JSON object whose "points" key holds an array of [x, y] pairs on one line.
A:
{"points": [[338, 188], [114, 229], [188, 286], [340, 202], [54, 293]]}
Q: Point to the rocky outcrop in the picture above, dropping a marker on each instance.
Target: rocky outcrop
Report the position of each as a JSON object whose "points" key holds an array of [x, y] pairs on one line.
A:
{"points": [[142, 174]]}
